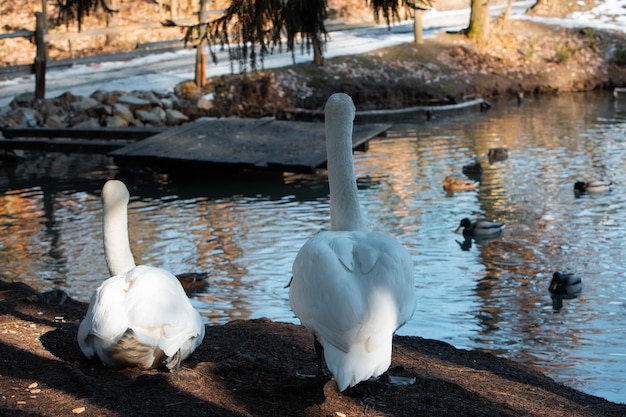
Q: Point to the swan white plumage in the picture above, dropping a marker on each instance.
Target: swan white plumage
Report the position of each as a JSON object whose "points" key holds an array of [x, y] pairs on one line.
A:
{"points": [[351, 288], [140, 316]]}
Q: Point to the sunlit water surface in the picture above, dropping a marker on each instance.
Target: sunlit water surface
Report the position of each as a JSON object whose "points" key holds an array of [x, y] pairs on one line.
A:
{"points": [[491, 296]]}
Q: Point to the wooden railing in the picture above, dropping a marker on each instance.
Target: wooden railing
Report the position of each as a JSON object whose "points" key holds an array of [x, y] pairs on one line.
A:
{"points": [[41, 39]]}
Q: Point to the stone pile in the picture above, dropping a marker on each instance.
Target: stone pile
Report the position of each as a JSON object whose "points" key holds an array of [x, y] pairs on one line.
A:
{"points": [[100, 109]]}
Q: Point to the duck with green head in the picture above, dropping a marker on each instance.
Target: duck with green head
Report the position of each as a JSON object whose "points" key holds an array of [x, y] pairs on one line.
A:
{"points": [[480, 228], [595, 186], [565, 284]]}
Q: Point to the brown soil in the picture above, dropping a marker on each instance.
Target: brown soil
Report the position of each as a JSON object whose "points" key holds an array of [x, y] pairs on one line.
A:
{"points": [[248, 368]]}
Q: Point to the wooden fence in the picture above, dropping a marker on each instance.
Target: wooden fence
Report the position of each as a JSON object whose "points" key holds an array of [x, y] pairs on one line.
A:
{"points": [[41, 38]]}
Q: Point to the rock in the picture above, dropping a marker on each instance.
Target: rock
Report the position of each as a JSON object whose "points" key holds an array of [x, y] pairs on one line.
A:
{"points": [[113, 97], [206, 102], [122, 111], [147, 95], [22, 100], [148, 117], [99, 95], [160, 113], [175, 118], [68, 96], [134, 103], [77, 119], [84, 103], [116, 121], [55, 121], [101, 108], [100, 111], [23, 117], [170, 101], [88, 123], [51, 106]]}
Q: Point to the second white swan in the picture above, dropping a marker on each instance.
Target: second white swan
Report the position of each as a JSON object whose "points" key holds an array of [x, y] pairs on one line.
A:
{"points": [[351, 288], [140, 316]]}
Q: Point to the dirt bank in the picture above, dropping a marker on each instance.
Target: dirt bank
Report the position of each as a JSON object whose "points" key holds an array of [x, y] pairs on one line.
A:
{"points": [[521, 58], [248, 368]]}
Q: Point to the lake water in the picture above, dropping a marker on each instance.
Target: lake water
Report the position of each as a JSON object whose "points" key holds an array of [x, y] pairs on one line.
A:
{"points": [[490, 296]]}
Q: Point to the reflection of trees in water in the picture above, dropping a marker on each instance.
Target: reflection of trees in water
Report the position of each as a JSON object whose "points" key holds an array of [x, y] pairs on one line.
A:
{"points": [[43, 200]]}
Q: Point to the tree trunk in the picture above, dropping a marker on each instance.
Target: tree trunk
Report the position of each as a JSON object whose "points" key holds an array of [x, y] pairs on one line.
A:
{"points": [[418, 26], [479, 21], [507, 12], [111, 20], [318, 58], [41, 58], [200, 76]]}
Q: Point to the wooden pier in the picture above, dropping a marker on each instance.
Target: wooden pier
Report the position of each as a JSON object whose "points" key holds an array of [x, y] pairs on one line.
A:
{"points": [[74, 140], [209, 146], [240, 145]]}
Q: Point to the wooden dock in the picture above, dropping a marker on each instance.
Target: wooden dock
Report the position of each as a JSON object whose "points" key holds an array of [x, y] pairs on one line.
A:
{"points": [[232, 145], [239, 145], [74, 140]]}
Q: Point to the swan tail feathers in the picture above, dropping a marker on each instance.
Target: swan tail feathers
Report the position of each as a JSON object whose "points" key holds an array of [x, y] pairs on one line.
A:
{"points": [[173, 362], [130, 351], [357, 365]]}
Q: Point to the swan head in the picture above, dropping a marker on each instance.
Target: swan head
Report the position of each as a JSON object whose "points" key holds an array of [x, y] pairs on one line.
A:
{"points": [[115, 193], [339, 104]]}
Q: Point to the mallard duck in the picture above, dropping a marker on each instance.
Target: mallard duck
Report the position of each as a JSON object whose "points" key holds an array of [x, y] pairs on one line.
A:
{"points": [[140, 316], [565, 284], [193, 281], [592, 186], [451, 183], [480, 228], [351, 288], [473, 170], [498, 153]]}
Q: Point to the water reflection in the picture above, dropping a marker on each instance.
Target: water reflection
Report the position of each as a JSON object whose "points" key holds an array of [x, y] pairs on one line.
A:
{"points": [[490, 295]]}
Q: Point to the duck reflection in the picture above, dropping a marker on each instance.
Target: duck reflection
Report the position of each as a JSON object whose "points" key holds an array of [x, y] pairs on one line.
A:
{"points": [[466, 244], [564, 286]]}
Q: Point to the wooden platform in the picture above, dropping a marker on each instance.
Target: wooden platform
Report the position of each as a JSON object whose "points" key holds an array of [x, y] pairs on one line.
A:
{"points": [[237, 145], [74, 140]]}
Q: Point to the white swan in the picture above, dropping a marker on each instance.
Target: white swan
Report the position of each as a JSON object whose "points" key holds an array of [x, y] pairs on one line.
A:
{"points": [[351, 288], [140, 316]]}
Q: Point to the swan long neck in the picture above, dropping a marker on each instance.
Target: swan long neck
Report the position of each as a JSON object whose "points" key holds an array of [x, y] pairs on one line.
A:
{"points": [[345, 211], [117, 251]]}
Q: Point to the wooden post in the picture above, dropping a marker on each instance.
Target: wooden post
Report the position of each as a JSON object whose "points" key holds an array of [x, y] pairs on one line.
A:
{"points": [[418, 25], [42, 56], [111, 20], [200, 76]]}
